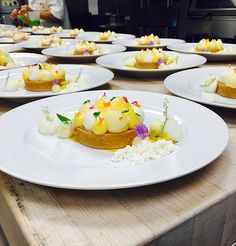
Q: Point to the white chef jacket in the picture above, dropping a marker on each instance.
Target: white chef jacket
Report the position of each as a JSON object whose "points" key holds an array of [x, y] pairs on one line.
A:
{"points": [[56, 7]]}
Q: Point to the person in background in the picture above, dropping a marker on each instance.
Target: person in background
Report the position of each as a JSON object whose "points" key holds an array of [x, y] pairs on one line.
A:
{"points": [[52, 12]]}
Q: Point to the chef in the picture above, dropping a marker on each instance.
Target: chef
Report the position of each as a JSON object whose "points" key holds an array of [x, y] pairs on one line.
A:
{"points": [[52, 12]]}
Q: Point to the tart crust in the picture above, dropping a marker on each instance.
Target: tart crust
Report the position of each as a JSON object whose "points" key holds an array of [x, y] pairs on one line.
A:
{"points": [[105, 141], [146, 65], [226, 91], [37, 85]]}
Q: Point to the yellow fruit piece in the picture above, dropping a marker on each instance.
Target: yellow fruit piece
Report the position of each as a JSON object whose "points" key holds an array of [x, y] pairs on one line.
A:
{"points": [[78, 119], [99, 127], [25, 75], [120, 103], [132, 118], [155, 135]]}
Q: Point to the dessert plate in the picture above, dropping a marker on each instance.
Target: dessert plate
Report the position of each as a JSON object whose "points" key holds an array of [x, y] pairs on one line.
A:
{"points": [[66, 34], [46, 31], [117, 61], [189, 48], [11, 47], [8, 40], [92, 37], [64, 50], [50, 161], [25, 59], [187, 84], [93, 77], [35, 44], [129, 43]]}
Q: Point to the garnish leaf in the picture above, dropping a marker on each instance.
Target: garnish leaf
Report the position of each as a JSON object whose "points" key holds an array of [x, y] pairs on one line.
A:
{"points": [[125, 111], [96, 114], [40, 67], [87, 101], [138, 114], [113, 98], [63, 119]]}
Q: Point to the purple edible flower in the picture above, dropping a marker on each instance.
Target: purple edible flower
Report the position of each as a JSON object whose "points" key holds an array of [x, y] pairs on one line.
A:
{"points": [[141, 131], [204, 50], [86, 52], [51, 41], [159, 61], [151, 43], [55, 82], [22, 39]]}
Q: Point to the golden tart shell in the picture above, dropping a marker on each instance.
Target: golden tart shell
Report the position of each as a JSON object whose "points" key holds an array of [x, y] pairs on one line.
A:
{"points": [[226, 91]]}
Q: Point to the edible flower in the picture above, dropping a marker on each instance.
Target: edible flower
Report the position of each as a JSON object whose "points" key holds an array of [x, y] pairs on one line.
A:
{"points": [[141, 131], [151, 43], [86, 52], [159, 61], [55, 82]]}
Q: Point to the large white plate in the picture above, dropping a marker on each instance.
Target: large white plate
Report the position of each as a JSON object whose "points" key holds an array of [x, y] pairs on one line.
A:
{"points": [[96, 77], [35, 44], [8, 40], [189, 48], [11, 47], [66, 34], [129, 43], [45, 31], [187, 84], [50, 161], [91, 36], [116, 62], [25, 59], [62, 52]]}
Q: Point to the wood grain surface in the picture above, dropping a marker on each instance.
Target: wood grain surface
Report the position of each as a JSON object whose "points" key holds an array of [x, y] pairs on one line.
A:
{"points": [[198, 209]]}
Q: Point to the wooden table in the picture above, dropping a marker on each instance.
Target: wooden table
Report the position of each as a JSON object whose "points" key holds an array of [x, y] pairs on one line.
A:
{"points": [[198, 209]]}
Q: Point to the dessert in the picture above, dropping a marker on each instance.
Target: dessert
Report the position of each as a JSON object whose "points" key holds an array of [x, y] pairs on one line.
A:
{"points": [[51, 40], [55, 29], [151, 59], [5, 59], [74, 32], [107, 123], [213, 46], [106, 36], [37, 28], [20, 36], [224, 84], [115, 123], [86, 48], [148, 40], [42, 77]]}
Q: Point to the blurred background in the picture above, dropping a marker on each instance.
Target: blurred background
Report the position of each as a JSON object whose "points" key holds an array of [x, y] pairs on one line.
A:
{"points": [[187, 19]]}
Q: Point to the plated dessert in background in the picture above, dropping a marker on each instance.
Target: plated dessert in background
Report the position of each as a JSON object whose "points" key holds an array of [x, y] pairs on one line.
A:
{"points": [[45, 79], [15, 38], [104, 37], [214, 85], [213, 50], [150, 62], [46, 30], [162, 131], [12, 60], [82, 51]]}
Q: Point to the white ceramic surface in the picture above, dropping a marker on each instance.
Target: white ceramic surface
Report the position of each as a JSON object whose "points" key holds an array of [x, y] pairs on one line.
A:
{"points": [[116, 62], [187, 84], [189, 48], [25, 59], [50, 161], [63, 52], [11, 47], [96, 76]]}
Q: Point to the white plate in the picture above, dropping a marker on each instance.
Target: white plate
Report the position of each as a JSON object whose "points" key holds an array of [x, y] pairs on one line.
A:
{"points": [[96, 77], [91, 36], [35, 44], [46, 31], [187, 84], [62, 52], [116, 62], [65, 34], [9, 41], [25, 59], [189, 48], [11, 47], [129, 43], [51, 161]]}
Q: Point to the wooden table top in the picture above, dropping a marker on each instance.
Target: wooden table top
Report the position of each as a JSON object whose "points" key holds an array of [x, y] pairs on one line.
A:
{"points": [[49, 216]]}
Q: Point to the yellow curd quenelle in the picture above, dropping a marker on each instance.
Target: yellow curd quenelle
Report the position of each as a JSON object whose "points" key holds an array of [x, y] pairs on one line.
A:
{"points": [[151, 59], [205, 45], [5, 59]]}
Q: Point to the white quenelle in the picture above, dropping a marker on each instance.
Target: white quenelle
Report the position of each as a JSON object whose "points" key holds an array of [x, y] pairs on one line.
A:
{"points": [[90, 119], [173, 129], [48, 125], [65, 130], [116, 122], [210, 84], [13, 84]]}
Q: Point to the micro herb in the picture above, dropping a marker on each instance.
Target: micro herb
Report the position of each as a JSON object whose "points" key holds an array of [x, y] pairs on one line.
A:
{"points": [[47, 113], [87, 101], [96, 114], [63, 119], [113, 98], [125, 111], [165, 114], [40, 67], [138, 114]]}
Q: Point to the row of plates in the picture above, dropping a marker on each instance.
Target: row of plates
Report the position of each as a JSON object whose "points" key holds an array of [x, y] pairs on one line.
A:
{"points": [[60, 163]]}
